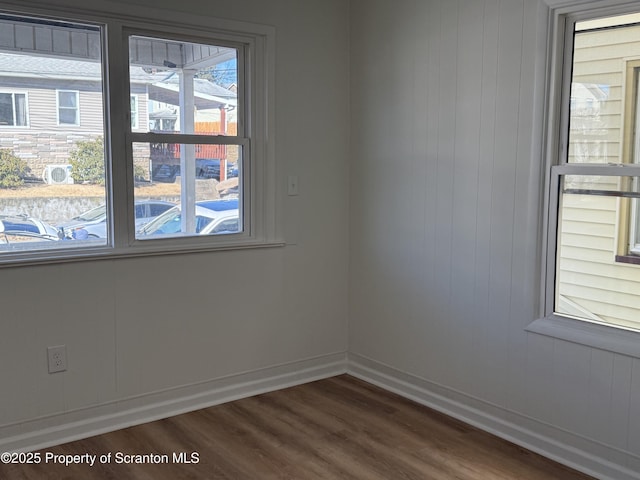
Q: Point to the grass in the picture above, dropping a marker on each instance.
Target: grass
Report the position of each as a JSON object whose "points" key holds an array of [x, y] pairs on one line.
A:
{"points": [[49, 191]]}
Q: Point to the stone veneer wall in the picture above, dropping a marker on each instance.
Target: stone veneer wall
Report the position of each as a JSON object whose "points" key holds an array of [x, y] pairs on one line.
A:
{"points": [[53, 148], [55, 210]]}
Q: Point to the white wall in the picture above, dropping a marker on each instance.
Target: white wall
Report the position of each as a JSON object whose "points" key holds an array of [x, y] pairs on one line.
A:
{"points": [[136, 328], [438, 227], [444, 204]]}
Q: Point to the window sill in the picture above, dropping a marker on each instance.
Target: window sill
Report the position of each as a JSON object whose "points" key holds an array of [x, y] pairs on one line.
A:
{"points": [[108, 253], [605, 337], [630, 259]]}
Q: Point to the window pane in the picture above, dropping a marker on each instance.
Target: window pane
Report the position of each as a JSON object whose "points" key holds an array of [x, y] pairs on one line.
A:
{"points": [[590, 283], [68, 116], [163, 68], [6, 109], [21, 109], [213, 198], [134, 111], [57, 168], [634, 234], [68, 99], [602, 94]]}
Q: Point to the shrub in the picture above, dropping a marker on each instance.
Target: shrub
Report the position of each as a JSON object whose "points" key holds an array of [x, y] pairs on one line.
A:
{"points": [[139, 173], [12, 169], [87, 162]]}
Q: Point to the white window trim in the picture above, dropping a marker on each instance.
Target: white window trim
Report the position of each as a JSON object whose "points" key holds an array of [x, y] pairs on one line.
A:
{"points": [[263, 226], [26, 105], [58, 107], [555, 119]]}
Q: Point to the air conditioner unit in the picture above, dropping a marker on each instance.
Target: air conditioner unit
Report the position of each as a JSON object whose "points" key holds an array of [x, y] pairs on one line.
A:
{"points": [[57, 174]]}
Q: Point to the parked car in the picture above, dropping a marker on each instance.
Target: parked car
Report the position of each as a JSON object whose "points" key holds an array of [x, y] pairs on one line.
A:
{"points": [[205, 168], [94, 221], [21, 228], [212, 217]]}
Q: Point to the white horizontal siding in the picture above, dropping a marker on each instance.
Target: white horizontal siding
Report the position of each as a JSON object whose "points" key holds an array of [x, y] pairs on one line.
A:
{"points": [[587, 228], [607, 269], [91, 112], [43, 112], [43, 109], [592, 242]]}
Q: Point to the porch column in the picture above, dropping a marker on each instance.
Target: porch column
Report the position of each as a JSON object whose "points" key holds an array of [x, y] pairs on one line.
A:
{"points": [[187, 152], [223, 148]]}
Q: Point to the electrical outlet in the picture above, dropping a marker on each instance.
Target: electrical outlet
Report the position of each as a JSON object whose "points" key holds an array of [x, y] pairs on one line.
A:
{"points": [[57, 357]]}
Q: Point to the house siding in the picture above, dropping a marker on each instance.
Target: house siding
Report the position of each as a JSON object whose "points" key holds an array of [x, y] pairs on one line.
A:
{"points": [[44, 142]]}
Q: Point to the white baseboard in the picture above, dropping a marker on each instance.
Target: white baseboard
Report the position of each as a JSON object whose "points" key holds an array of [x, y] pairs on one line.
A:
{"points": [[564, 447], [69, 426]]}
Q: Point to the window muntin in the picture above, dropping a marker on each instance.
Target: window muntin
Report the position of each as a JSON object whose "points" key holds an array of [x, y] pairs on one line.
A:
{"points": [[13, 109], [594, 184], [68, 107]]}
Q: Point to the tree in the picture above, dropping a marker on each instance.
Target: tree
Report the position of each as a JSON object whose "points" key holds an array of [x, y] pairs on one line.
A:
{"points": [[87, 162], [12, 169]]}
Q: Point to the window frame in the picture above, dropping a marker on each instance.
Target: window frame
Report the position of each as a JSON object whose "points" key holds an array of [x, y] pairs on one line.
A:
{"points": [[13, 94], [555, 135], [262, 225], [60, 107]]}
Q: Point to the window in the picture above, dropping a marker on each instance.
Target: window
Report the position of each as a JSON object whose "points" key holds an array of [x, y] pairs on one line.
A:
{"points": [[68, 107], [591, 294], [13, 109], [191, 171], [629, 246], [134, 111], [210, 135]]}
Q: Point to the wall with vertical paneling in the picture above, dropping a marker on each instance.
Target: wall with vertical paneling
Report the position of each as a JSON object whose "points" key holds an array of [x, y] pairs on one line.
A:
{"points": [[149, 337], [437, 222], [445, 207]]}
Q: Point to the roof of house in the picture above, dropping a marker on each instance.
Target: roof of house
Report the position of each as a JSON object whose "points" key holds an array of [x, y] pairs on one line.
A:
{"points": [[201, 85], [163, 86], [50, 68]]}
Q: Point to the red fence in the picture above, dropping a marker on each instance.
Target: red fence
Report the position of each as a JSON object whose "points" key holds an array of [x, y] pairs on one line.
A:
{"points": [[170, 152]]}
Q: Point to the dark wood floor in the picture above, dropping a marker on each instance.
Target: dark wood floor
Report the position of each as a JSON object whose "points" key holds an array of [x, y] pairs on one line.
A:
{"points": [[339, 428]]}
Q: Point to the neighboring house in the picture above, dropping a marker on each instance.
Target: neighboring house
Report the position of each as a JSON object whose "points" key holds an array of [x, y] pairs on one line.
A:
{"points": [[599, 261], [48, 103]]}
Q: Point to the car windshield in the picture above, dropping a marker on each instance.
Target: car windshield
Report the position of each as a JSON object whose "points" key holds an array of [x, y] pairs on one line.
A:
{"points": [[98, 213], [171, 222], [164, 223]]}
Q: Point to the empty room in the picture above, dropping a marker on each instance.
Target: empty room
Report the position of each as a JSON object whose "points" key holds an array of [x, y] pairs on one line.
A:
{"points": [[304, 239]]}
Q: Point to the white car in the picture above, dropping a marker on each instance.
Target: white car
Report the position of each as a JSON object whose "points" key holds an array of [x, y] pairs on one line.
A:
{"points": [[213, 217], [94, 221], [20, 229]]}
